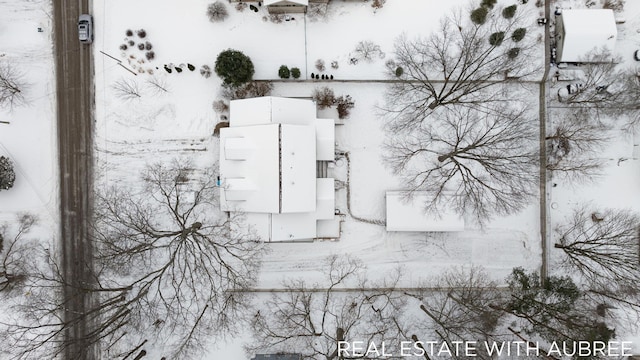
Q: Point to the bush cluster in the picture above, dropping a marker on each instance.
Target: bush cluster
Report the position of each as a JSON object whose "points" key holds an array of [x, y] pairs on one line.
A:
{"points": [[496, 38], [7, 173], [479, 15], [284, 72], [518, 34], [509, 11]]}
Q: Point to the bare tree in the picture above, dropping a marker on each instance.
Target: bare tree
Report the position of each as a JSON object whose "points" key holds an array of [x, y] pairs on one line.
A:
{"points": [[471, 162], [170, 267], [312, 319], [158, 85], [126, 89], [454, 66], [367, 50], [15, 257], [601, 88], [629, 102], [185, 268], [461, 311], [574, 143], [217, 11], [602, 245], [12, 86], [606, 90]]}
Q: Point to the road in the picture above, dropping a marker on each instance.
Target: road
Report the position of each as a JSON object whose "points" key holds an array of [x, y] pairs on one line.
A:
{"points": [[544, 90], [74, 72]]}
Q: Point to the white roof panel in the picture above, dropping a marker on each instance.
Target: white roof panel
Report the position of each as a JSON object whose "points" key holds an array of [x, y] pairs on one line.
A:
{"points": [[293, 226], [254, 111], [325, 139], [587, 30], [326, 203], [298, 164], [260, 168], [409, 215]]}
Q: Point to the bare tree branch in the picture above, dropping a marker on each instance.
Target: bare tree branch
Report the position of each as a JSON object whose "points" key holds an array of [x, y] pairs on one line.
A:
{"points": [[12, 86], [472, 162], [312, 322], [454, 66], [574, 144]]}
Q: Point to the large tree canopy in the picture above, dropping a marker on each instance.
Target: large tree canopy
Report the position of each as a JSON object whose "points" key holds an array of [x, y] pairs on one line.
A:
{"points": [[473, 162], [234, 67]]}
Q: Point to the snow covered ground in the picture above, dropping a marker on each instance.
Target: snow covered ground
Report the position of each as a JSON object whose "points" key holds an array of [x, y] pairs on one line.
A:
{"points": [[160, 126], [29, 138], [179, 123]]}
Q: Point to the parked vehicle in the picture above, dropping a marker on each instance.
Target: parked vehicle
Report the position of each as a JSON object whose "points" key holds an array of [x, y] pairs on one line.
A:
{"points": [[565, 91], [85, 28]]}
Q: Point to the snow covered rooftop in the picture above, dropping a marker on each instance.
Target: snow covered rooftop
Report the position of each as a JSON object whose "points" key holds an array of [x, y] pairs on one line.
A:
{"points": [[585, 30], [268, 158], [404, 214], [286, 2]]}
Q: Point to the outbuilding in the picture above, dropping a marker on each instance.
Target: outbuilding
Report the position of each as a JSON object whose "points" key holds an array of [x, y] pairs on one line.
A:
{"points": [[581, 32]]}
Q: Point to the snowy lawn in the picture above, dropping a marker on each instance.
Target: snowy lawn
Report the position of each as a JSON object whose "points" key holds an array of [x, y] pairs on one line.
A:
{"points": [[178, 123], [29, 138]]}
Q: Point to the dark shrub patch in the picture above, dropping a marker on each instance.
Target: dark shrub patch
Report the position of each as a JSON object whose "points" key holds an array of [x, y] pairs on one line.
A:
{"points": [[496, 38], [284, 72], [509, 11], [488, 3], [479, 16], [518, 34]]}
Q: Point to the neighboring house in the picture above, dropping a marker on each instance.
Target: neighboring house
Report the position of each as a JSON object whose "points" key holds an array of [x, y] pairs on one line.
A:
{"points": [[286, 6], [580, 32], [278, 357], [271, 160], [407, 212]]}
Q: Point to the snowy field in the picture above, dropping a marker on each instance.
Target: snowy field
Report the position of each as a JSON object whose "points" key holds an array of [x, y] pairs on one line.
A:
{"points": [[29, 138]]}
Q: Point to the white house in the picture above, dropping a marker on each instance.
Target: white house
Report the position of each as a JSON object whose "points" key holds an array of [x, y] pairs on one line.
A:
{"points": [[582, 31], [407, 213], [268, 162]]}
